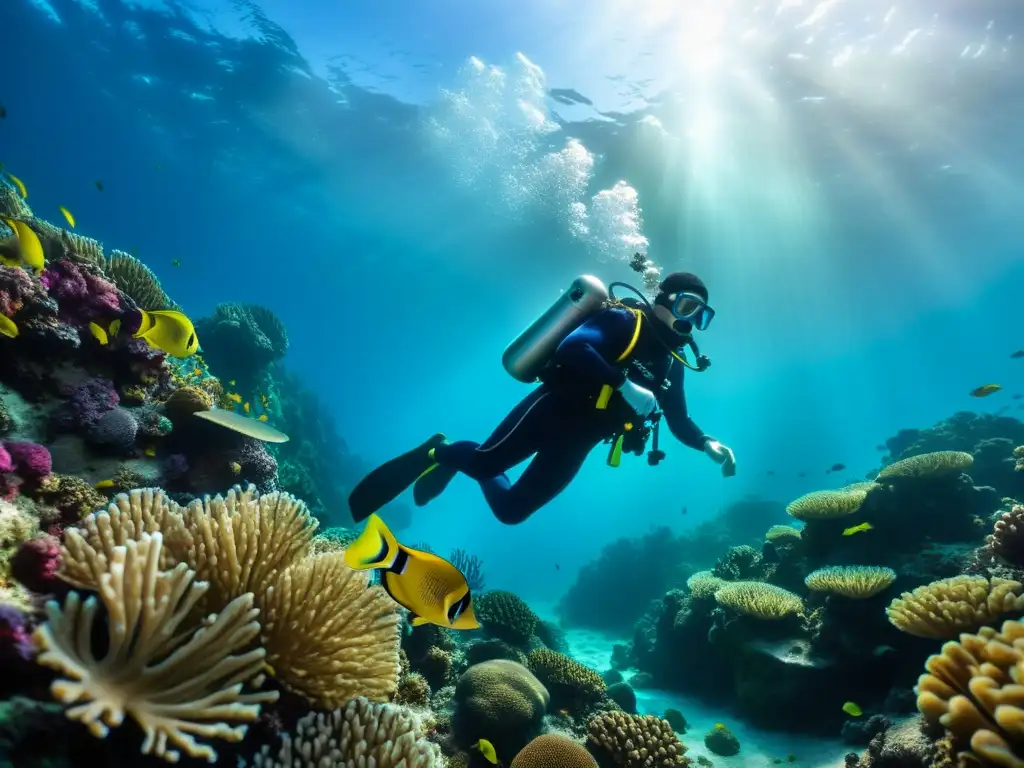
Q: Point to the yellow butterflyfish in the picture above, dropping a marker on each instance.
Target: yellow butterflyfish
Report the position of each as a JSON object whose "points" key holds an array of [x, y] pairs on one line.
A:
{"points": [[29, 245], [98, 333], [104, 484], [8, 327], [22, 190], [234, 397], [68, 216], [487, 750], [114, 327], [246, 407], [262, 417], [858, 529], [169, 331]]}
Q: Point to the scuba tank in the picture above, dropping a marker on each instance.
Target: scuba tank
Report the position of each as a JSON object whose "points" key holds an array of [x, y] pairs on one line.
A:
{"points": [[531, 350]]}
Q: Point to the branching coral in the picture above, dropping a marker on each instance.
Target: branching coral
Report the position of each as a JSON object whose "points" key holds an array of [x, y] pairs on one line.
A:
{"points": [[937, 464], [826, 505], [973, 688], [704, 584], [361, 735], [176, 683], [328, 635], [754, 598], [136, 281], [1007, 538], [553, 750], [636, 741], [855, 581], [947, 607], [568, 681], [506, 616]]}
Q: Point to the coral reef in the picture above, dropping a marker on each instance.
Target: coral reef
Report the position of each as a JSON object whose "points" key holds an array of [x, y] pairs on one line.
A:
{"points": [[570, 683], [945, 608], [635, 741], [507, 617], [552, 750]]}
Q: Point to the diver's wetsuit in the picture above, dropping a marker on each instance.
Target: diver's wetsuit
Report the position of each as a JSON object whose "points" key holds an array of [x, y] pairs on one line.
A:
{"points": [[559, 421]]}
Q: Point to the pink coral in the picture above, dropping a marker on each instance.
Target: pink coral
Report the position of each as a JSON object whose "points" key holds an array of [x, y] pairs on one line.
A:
{"points": [[36, 563], [18, 288], [6, 463], [30, 460], [81, 295], [15, 634]]}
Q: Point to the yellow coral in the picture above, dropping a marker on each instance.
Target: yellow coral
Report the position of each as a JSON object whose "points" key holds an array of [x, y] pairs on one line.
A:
{"points": [[855, 581], [754, 598], [782, 533], [176, 681], [704, 584], [186, 401], [361, 734], [946, 607], [975, 689], [328, 635], [934, 464], [827, 505]]}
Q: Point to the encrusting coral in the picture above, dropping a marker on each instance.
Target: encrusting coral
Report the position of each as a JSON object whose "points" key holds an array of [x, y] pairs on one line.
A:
{"points": [[177, 678], [360, 735], [635, 741], [936, 464], [947, 607], [854, 581], [754, 598], [973, 688]]}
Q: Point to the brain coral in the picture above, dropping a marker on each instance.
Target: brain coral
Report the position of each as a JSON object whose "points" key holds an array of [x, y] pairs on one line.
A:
{"points": [[501, 701], [819, 505], [635, 741], [568, 681], [553, 750], [855, 581], [973, 688], [506, 616], [754, 598], [935, 464], [946, 607]]}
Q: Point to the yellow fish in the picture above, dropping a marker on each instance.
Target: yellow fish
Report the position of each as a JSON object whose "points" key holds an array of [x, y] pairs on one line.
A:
{"points": [[246, 407], [852, 709], [234, 397], [19, 184], [985, 390], [104, 484], [7, 327], [98, 333], [31, 248], [235, 467], [858, 529], [151, 451], [114, 327], [67, 215], [434, 590], [169, 331], [262, 417], [232, 383], [487, 750]]}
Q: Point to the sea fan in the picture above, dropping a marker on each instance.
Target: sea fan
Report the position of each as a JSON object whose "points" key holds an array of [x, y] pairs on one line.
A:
{"points": [[472, 568]]}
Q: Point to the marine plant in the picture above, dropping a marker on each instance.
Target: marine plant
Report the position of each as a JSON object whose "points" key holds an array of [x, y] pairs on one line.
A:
{"points": [[944, 608], [854, 581]]}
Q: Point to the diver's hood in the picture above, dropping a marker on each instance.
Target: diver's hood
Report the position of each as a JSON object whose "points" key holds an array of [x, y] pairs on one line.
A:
{"points": [[672, 338]]}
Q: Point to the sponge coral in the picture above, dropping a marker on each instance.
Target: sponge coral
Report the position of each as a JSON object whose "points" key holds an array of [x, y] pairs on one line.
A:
{"points": [[947, 607], [568, 681], [826, 505], [754, 598], [500, 701], [506, 617], [937, 464], [635, 741], [974, 689], [856, 581], [553, 750]]}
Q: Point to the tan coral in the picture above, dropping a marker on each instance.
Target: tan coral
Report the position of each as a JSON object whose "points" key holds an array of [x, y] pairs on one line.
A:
{"points": [[936, 464], [413, 690], [704, 584], [858, 582], [328, 635], [828, 505], [944, 608], [360, 735], [137, 281], [553, 750], [177, 682], [565, 678], [16, 526], [975, 689], [782, 533], [762, 601], [636, 741]]}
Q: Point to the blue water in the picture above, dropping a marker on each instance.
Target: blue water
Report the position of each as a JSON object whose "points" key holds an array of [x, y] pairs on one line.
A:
{"points": [[844, 176]]}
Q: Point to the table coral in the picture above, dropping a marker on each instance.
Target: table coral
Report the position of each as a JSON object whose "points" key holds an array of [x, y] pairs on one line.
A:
{"points": [[754, 598]]}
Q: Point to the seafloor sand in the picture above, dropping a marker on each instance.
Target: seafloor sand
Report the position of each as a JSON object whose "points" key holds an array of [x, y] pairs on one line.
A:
{"points": [[758, 748]]}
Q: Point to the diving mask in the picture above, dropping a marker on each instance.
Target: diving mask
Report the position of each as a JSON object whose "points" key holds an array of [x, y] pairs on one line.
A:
{"points": [[691, 308]]}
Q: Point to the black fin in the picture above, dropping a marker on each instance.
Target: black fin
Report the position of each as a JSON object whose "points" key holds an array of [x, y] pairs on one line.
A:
{"points": [[389, 480]]}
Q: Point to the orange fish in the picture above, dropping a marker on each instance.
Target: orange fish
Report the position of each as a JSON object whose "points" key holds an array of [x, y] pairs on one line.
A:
{"points": [[985, 390]]}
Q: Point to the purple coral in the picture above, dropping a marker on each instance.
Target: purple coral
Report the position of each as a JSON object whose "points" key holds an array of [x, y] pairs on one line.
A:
{"points": [[87, 402], [258, 466], [30, 460], [6, 462], [35, 564], [15, 634], [81, 295], [18, 289], [116, 428]]}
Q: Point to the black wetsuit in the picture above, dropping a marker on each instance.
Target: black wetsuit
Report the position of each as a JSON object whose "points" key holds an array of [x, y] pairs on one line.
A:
{"points": [[559, 424]]}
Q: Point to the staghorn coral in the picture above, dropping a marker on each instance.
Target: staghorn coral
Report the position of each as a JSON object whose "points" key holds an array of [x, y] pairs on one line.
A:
{"points": [[506, 617], [500, 701], [973, 689], [553, 750], [329, 635], [413, 690], [175, 683], [827, 505], [568, 681], [635, 741], [1007, 538], [360, 735], [946, 607], [754, 598], [937, 464], [704, 584], [855, 581], [136, 281]]}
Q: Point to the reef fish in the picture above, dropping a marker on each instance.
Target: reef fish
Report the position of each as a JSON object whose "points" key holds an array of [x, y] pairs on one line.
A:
{"points": [[985, 390], [487, 750], [835, 468], [852, 709], [22, 190], [431, 588], [1017, 355], [858, 529], [169, 331], [7, 327], [98, 333], [30, 250], [68, 216]]}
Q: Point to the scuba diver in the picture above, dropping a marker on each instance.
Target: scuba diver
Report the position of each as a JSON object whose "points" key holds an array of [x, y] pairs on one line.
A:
{"points": [[608, 370]]}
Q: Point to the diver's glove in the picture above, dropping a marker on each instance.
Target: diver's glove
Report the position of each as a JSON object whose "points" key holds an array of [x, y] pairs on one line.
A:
{"points": [[721, 454], [639, 399]]}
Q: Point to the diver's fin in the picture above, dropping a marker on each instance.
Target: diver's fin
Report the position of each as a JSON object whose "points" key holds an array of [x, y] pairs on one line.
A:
{"points": [[431, 484], [419, 621], [387, 481], [375, 547]]}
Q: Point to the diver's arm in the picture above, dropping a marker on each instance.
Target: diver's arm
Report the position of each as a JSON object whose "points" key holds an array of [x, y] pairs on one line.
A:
{"points": [[673, 406], [586, 350]]}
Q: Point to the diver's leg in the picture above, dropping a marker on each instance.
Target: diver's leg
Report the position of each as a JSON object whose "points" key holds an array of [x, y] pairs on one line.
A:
{"points": [[550, 473]]}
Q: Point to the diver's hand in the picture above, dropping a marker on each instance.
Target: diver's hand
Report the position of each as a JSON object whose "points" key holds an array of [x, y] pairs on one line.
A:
{"points": [[721, 454], [639, 399]]}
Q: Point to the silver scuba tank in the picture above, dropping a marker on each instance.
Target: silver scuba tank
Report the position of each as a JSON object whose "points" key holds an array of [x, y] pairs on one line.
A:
{"points": [[531, 350]]}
